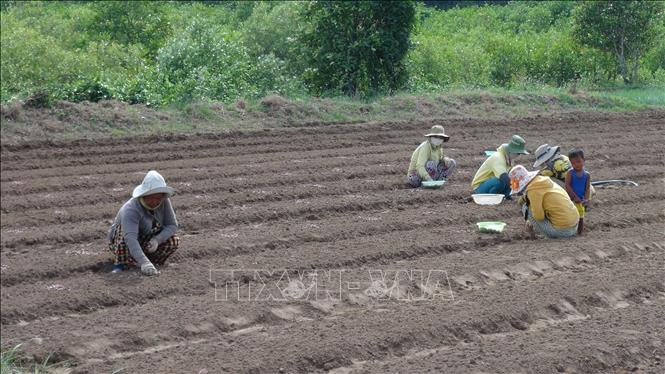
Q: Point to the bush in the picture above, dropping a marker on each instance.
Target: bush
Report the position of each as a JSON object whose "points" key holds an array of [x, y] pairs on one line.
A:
{"points": [[205, 62], [357, 48], [130, 22], [521, 42], [33, 61], [276, 30], [654, 59], [434, 62]]}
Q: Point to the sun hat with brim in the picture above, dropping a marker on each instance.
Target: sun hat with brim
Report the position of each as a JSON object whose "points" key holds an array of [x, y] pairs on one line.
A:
{"points": [[152, 183], [520, 178], [516, 145], [438, 131], [544, 153]]}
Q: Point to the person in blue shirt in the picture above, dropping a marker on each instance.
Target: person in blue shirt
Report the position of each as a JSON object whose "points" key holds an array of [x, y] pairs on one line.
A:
{"points": [[578, 184]]}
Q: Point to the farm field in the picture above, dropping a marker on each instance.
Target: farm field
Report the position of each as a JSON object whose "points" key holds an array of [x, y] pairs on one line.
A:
{"points": [[330, 197]]}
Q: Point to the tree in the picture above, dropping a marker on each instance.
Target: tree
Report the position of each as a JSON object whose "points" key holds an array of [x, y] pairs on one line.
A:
{"points": [[131, 22], [626, 29], [358, 47], [276, 28]]}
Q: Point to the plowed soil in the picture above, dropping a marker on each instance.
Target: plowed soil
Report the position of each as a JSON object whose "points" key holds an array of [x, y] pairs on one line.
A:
{"points": [[330, 197]]}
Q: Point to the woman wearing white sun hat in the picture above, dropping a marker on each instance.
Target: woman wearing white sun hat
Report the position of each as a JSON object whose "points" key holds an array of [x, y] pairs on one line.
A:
{"points": [[547, 208], [143, 232], [428, 162]]}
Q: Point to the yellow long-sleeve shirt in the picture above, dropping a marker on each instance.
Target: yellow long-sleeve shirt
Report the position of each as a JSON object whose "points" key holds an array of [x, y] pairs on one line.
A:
{"points": [[494, 166], [549, 200], [425, 152], [556, 168]]}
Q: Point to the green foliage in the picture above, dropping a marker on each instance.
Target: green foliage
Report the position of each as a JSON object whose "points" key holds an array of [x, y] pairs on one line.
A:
{"points": [[358, 48], [13, 362], [165, 52], [654, 59], [277, 30], [130, 22], [520, 43], [434, 63], [626, 29], [206, 62], [33, 61]]}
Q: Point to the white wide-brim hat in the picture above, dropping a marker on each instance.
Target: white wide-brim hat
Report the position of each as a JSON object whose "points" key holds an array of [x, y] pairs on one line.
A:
{"points": [[544, 153], [152, 183], [520, 178]]}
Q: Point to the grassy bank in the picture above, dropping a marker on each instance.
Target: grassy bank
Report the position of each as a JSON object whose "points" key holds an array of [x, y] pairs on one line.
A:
{"points": [[638, 97], [64, 120], [11, 362]]}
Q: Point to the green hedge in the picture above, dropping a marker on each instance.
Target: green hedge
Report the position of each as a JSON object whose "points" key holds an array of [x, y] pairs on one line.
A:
{"points": [[164, 53]]}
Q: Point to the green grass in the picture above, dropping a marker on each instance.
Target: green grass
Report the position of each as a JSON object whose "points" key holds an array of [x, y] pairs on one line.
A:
{"points": [[11, 363], [639, 96], [613, 98]]}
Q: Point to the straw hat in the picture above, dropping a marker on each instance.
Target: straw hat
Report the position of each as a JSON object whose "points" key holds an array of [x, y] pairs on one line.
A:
{"points": [[520, 178], [516, 145], [152, 183], [438, 131], [544, 153]]}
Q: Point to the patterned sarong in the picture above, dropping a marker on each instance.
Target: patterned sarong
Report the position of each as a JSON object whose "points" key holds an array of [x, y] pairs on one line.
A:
{"points": [[440, 171], [120, 250]]}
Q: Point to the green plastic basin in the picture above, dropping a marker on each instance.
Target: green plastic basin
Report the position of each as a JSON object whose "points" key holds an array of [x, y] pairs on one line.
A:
{"points": [[433, 184], [491, 226]]}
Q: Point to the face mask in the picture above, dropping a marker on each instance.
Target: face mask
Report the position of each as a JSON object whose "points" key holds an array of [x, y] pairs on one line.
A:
{"points": [[436, 141]]}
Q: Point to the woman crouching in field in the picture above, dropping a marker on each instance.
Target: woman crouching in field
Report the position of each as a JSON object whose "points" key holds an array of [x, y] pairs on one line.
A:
{"points": [[546, 206], [428, 162], [143, 231]]}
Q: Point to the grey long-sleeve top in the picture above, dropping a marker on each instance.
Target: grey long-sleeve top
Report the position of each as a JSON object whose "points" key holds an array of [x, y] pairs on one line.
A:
{"points": [[137, 222]]}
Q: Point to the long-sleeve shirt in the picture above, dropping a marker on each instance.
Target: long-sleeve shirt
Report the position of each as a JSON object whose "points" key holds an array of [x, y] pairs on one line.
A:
{"points": [[137, 222], [556, 168], [425, 152], [548, 200], [494, 166]]}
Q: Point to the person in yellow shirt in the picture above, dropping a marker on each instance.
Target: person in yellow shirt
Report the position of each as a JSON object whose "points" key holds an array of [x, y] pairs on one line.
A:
{"points": [[428, 162], [546, 206], [492, 176]]}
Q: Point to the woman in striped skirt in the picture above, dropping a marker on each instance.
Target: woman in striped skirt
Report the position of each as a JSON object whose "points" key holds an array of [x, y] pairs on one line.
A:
{"points": [[143, 233]]}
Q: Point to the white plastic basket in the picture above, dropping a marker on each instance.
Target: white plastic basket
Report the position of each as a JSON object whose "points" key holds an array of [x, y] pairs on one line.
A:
{"points": [[488, 198]]}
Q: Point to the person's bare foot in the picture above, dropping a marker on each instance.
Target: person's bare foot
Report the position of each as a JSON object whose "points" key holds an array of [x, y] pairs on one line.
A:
{"points": [[530, 231]]}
